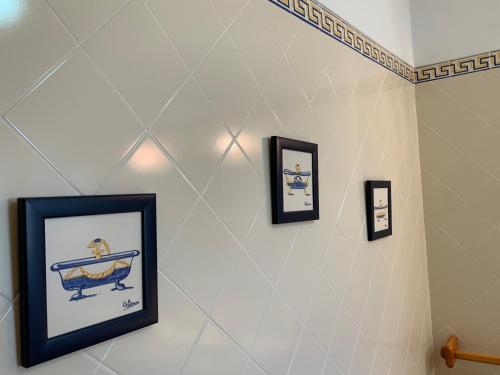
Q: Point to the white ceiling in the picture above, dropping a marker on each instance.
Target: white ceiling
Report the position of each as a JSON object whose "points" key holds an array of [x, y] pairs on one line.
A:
{"points": [[387, 22], [425, 31], [448, 29]]}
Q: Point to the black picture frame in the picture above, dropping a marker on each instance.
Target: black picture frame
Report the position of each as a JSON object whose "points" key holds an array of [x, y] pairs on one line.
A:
{"points": [[279, 216], [36, 347], [370, 187]]}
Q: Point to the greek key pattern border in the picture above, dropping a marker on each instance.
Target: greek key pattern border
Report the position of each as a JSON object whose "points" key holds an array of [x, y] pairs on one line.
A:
{"points": [[326, 21], [458, 67], [329, 23]]}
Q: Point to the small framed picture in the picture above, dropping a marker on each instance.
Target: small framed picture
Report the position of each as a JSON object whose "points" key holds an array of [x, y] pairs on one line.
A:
{"points": [[88, 271], [294, 180], [378, 209]]}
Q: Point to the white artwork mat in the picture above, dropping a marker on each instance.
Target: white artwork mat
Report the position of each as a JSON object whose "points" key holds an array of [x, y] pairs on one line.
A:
{"points": [[297, 187], [381, 209], [68, 239]]}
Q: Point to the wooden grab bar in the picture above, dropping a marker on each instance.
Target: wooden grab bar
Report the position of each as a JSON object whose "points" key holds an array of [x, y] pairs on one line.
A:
{"points": [[450, 354]]}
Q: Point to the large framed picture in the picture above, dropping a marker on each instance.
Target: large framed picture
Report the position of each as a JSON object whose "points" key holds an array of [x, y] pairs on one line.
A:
{"points": [[88, 271], [378, 209], [294, 180]]}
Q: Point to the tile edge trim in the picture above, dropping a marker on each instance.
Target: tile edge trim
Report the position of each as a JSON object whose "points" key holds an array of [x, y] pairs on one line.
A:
{"points": [[458, 67], [323, 19], [326, 21]]}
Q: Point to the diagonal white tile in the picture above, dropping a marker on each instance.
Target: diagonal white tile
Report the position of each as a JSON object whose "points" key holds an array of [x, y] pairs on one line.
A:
{"points": [[258, 45], [192, 25], [344, 71], [236, 192], [4, 303], [28, 176], [135, 53], [84, 17], [309, 56], [359, 281], [228, 9], [100, 350], [316, 235], [331, 368], [252, 369], [308, 358], [80, 363], [338, 263], [290, 104], [8, 335], [32, 43], [215, 354], [269, 244], [344, 341], [363, 358], [325, 307], [376, 300], [149, 171], [163, 347], [78, 123], [298, 279], [255, 137], [200, 263], [244, 299], [197, 155], [284, 25], [228, 83], [276, 339], [322, 119]]}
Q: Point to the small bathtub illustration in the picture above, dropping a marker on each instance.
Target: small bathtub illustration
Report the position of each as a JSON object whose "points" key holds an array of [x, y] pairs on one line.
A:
{"points": [[381, 211], [101, 269], [297, 183]]}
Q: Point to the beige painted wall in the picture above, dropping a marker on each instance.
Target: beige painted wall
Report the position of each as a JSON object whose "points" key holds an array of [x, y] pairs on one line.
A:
{"points": [[179, 98], [459, 127]]}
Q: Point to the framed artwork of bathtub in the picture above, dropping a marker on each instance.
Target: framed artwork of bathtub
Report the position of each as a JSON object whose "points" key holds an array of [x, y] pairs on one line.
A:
{"points": [[378, 209], [294, 180], [88, 271]]}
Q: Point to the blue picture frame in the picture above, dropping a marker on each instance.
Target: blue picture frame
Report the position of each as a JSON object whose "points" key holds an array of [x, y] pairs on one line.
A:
{"points": [[36, 346]]}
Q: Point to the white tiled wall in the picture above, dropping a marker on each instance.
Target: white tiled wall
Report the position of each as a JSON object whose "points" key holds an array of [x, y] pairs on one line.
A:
{"points": [[459, 126], [179, 98]]}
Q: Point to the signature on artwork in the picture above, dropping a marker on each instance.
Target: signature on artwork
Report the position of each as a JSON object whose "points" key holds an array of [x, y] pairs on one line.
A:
{"points": [[129, 304], [306, 203]]}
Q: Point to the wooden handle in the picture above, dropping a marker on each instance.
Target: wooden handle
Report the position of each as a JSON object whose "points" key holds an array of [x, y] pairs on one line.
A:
{"points": [[450, 354]]}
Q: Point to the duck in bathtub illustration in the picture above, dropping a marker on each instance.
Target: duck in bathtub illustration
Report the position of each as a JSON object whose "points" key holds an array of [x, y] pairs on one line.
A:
{"points": [[295, 180], [103, 267]]}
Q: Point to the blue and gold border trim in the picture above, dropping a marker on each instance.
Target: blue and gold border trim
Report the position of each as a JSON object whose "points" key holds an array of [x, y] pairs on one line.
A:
{"points": [[329, 23], [458, 67], [323, 19]]}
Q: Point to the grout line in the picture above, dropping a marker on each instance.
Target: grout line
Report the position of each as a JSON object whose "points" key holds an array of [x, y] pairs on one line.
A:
{"points": [[127, 155], [461, 152], [113, 87], [425, 170], [39, 152], [208, 318], [459, 102], [100, 364]]}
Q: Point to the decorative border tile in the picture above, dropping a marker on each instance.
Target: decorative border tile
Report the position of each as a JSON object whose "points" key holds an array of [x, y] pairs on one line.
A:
{"points": [[326, 21], [458, 67], [329, 23]]}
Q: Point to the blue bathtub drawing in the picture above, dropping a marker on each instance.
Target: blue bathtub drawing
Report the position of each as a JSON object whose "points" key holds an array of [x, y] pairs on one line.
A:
{"points": [[297, 183], [94, 271]]}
